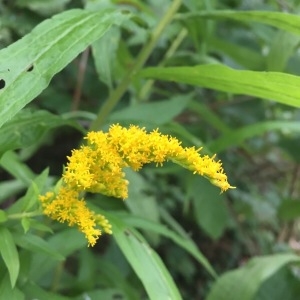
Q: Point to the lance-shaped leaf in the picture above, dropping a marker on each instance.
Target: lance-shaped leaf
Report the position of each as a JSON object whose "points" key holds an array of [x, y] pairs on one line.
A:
{"points": [[280, 87], [9, 253], [263, 278], [285, 21], [28, 65], [147, 265]]}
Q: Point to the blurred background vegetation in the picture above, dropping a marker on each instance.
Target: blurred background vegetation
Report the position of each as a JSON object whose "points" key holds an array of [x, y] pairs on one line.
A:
{"points": [[260, 217]]}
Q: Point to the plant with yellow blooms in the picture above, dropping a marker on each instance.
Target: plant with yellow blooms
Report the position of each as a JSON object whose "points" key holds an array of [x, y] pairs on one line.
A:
{"points": [[98, 167]]}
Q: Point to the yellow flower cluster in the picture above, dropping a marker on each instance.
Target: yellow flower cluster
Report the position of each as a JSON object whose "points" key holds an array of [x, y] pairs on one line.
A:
{"points": [[66, 206], [97, 167]]}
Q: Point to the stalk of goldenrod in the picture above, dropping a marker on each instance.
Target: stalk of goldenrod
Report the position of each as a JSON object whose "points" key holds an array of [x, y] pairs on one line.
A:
{"points": [[98, 167]]}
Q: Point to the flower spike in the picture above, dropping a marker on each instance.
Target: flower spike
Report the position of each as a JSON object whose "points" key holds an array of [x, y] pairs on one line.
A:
{"points": [[98, 167]]}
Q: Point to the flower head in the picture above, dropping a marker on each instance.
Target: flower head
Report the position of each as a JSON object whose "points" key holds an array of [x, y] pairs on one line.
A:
{"points": [[98, 167]]}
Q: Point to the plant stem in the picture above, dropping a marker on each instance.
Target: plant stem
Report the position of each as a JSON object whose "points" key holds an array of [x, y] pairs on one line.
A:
{"points": [[176, 43], [80, 78], [117, 94], [25, 214]]}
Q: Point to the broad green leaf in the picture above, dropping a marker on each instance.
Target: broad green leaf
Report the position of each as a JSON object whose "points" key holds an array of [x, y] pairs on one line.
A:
{"points": [[280, 87], [28, 127], [245, 282], [184, 242], [146, 263], [29, 64], [9, 254], [148, 112], [288, 22], [237, 136]]}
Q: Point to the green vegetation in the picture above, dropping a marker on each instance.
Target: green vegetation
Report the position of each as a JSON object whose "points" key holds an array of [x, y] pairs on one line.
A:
{"points": [[223, 76]]}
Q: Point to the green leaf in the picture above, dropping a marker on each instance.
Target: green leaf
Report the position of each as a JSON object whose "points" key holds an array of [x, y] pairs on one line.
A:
{"points": [[53, 44], [244, 283], [33, 291], [25, 222], [280, 87], [282, 47], [7, 292], [288, 22], [114, 277], [65, 243], [284, 284], [146, 263], [28, 223], [107, 294], [28, 127], [44, 7], [140, 203], [31, 196], [147, 112], [36, 244], [209, 209], [207, 114], [26, 202], [184, 242], [9, 254], [237, 136], [104, 53], [241, 54], [10, 161]]}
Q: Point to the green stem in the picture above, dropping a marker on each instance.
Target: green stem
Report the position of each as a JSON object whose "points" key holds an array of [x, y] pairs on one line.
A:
{"points": [[117, 94], [25, 214], [176, 43], [79, 114]]}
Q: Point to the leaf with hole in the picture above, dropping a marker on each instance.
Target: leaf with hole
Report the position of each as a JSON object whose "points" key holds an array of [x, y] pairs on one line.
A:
{"points": [[32, 61]]}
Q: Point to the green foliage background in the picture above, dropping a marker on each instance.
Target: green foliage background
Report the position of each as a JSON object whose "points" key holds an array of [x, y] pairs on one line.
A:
{"points": [[222, 75]]}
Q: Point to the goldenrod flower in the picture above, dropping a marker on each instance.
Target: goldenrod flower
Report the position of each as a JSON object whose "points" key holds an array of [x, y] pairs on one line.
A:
{"points": [[66, 206], [98, 168]]}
